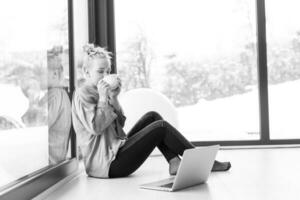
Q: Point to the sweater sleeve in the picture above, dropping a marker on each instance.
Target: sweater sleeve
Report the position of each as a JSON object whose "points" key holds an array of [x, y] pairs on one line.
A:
{"points": [[121, 117], [95, 118]]}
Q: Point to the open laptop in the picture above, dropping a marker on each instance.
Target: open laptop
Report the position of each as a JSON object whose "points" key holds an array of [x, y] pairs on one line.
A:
{"points": [[195, 167]]}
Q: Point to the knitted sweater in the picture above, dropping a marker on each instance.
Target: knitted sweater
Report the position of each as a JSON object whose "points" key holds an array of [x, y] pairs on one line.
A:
{"points": [[98, 129]]}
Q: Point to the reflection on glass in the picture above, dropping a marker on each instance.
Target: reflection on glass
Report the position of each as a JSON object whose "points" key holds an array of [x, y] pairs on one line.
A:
{"points": [[59, 108], [31, 28], [203, 60], [283, 45]]}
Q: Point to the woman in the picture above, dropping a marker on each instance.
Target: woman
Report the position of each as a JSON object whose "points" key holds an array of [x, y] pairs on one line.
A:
{"points": [[98, 120]]}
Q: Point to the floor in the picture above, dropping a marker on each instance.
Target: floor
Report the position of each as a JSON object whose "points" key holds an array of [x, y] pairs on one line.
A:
{"points": [[256, 174]]}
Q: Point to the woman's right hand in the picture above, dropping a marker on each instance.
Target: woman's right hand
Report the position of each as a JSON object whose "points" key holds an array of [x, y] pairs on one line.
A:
{"points": [[103, 88]]}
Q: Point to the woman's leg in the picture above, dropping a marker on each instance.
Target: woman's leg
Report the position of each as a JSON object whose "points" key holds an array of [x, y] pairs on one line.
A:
{"points": [[139, 146], [154, 116], [144, 121]]}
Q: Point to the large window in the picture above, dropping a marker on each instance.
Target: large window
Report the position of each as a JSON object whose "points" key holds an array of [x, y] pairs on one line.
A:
{"points": [[199, 54], [33, 52], [283, 45], [81, 30]]}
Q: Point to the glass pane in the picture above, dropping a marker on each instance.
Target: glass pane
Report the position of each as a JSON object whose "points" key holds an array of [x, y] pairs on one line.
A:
{"points": [[283, 45], [199, 54], [34, 63], [81, 35]]}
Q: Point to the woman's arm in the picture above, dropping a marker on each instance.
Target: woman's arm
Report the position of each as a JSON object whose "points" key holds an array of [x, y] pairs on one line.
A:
{"points": [[121, 117], [94, 117], [114, 102], [104, 116]]}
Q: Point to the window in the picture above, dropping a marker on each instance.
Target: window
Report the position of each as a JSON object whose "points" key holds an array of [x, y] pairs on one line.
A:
{"points": [[283, 45], [201, 55], [81, 36], [33, 47]]}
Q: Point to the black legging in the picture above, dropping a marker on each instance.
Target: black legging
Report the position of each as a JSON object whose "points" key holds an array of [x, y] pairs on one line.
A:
{"points": [[150, 131]]}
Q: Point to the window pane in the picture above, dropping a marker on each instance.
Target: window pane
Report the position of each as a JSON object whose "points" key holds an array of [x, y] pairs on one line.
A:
{"points": [[34, 66], [283, 45], [81, 34], [201, 55]]}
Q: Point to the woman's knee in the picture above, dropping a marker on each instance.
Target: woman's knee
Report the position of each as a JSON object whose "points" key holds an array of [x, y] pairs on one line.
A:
{"points": [[163, 124], [156, 128], [158, 124], [166, 124], [155, 115]]}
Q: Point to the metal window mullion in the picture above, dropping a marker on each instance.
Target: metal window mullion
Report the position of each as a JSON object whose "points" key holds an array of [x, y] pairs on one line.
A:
{"points": [[101, 23], [262, 72], [71, 69], [91, 21], [111, 37]]}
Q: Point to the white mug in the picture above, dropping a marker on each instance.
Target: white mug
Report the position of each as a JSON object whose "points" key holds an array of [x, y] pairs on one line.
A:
{"points": [[112, 80]]}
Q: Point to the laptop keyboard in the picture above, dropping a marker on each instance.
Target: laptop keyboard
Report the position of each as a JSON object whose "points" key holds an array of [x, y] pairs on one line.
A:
{"points": [[169, 185]]}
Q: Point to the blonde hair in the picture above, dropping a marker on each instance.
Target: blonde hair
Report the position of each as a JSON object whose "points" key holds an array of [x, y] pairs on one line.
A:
{"points": [[92, 52]]}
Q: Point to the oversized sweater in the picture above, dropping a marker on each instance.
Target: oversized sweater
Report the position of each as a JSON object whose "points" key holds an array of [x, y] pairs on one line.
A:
{"points": [[98, 130]]}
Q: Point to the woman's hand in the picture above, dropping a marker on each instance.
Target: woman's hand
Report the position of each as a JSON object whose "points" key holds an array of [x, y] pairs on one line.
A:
{"points": [[113, 97], [103, 89], [113, 93]]}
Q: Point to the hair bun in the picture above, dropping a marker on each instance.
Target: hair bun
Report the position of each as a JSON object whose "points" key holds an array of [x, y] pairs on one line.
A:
{"points": [[93, 51], [87, 48]]}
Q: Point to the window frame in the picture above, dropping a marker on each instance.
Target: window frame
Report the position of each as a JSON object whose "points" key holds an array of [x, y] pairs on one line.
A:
{"points": [[30, 185], [262, 83]]}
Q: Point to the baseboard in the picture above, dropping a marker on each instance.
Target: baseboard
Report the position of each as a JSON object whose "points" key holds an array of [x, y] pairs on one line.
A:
{"points": [[156, 152]]}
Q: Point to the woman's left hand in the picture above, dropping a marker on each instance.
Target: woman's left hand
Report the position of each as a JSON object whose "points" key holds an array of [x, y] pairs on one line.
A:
{"points": [[113, 98], [113, 94]]}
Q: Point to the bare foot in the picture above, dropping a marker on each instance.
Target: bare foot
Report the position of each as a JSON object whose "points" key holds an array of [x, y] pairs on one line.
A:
{"points": [[221, 166], [174, 165]]}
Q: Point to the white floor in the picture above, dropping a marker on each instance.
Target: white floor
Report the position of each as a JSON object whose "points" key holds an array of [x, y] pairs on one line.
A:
{"points": [[256, 174]]}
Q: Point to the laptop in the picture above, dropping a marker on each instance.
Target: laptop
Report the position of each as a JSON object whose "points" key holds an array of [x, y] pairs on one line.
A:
{"points": [[194, 169]]}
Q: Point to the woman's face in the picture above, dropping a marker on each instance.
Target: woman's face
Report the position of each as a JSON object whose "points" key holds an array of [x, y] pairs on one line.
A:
{"points": [[97, 70]]}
